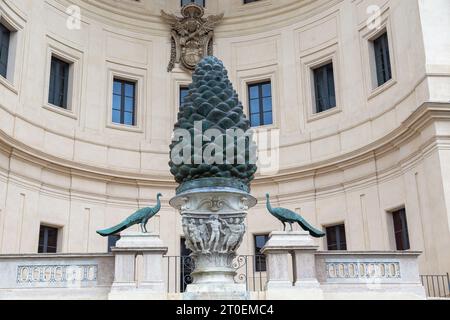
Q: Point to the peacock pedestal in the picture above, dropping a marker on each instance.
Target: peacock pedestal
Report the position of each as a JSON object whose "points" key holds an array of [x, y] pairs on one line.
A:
{"points": [[213, 225], [286, 251], [125, 285]]}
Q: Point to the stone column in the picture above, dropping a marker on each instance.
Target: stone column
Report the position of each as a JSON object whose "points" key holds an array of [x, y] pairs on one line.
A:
{"points": [[301, 247], [213, 224], [125, 285]]}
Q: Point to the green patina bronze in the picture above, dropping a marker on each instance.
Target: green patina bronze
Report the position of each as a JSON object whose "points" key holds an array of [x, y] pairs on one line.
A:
{"points": [[212, 100], [286, 215], [139, 217]]}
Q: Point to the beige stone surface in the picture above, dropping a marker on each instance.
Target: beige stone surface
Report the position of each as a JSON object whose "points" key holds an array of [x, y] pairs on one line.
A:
{"points": [[380, 149]]}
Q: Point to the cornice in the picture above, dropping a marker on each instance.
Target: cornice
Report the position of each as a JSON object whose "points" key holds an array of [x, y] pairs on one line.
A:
{"points": [[423, 116], [137, 17]]}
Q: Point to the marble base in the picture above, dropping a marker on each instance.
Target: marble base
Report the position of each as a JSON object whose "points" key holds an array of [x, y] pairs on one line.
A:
{"points": [[213, 224], [125, 285], [216, 291]]}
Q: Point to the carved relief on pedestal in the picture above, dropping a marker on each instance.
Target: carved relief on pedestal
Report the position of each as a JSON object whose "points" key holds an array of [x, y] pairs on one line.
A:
{"points": [[213, 234], [191, 35]]}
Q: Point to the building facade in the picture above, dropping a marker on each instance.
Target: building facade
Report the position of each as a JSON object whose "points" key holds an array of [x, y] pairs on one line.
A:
{"points": [[357, 93]]}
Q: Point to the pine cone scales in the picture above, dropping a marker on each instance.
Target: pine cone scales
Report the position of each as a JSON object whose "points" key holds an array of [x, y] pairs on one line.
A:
{"points": [[212, 100]]}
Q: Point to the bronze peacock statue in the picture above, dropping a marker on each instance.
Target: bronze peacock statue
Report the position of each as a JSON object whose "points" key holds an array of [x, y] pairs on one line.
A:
{"points": [[141, 216], [286, 215]]}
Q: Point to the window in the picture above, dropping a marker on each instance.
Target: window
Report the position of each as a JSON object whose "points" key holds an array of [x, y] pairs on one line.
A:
{"points": [[401, 229], [48, 239], [382, 59], [260, 259], [199, 2], [249, 1], [184, 90], [336, 237], [59, 83], [324, 88], [5, 36], [112, 240], [260, 103], [124, 102], [186, 265]]}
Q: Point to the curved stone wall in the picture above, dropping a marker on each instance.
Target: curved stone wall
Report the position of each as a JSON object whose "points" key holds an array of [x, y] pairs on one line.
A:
{"points": [[376, 151]]}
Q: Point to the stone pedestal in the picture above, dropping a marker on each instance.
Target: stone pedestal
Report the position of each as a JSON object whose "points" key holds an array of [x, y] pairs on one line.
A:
{"points": [[125, 285], [299, 247], [213, 224]]}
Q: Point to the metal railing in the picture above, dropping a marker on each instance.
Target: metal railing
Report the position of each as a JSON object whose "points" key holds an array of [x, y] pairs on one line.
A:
{"points": [[250, 269], [436, 286]]}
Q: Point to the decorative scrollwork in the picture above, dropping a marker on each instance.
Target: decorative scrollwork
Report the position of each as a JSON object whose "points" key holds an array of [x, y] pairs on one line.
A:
{"points": [[192, 35]]}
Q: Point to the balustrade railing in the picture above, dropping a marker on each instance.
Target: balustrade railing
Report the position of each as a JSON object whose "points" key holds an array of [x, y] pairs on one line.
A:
{"points": [[436, 286], [250, 269]]}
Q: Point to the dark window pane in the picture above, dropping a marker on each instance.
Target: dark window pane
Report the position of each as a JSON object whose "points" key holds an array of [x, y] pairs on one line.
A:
{"points": [[254, 120], [129, 104], [254, 92], [260, 103], [184, 91], [116, 116], [324, 88], [129, 90], [249, 1], [116, 101], [124, 102], [382, 59], [199, 2], [112, 240], [128, 118], [267, 117], [254, 106], [5, 36], [267, 90], [48, 239], [401, 229], [267, 104], [59, 81], [336, 237], [260, 259], [117, 88]]}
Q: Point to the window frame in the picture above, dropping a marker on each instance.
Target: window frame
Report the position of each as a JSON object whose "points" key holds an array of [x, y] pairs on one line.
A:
{"points": [[259, 257], [367, 35], [74, 57], [123, 96], [181, 88], [193, 1], [406, 243], [5, 42], [132, 74], [46, 228], [260, 98], [309, 61], [386, 58], [337, 235], [15, 23], [56, 60], [315, 84]]}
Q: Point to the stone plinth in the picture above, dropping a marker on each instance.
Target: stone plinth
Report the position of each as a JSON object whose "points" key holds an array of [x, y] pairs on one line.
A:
{"points": [[125, 285], [298, 247], [213, 224]]}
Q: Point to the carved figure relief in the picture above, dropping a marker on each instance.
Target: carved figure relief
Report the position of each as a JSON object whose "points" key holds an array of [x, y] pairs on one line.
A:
{"points": [[191, 35], [213, 234]]}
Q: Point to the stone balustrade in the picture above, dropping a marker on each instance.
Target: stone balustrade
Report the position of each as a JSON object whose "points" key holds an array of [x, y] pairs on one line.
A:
{"points": [[295, 270]]}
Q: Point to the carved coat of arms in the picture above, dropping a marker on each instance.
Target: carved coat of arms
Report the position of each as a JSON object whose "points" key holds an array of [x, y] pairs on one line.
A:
{"points": [[192, 35]]}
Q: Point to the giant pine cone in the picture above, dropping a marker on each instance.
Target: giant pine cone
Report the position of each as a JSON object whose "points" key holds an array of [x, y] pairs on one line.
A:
{"points": [[212, 100]]}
